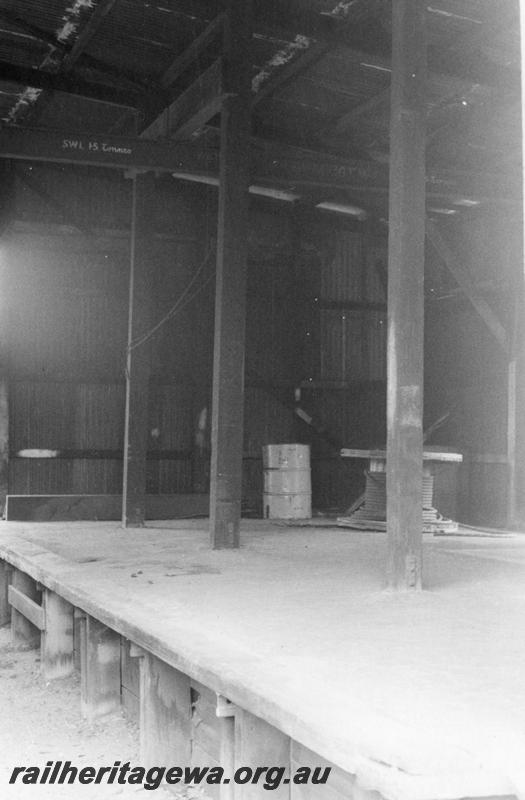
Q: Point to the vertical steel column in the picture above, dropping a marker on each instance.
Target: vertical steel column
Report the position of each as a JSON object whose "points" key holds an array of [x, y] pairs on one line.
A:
{"points": [[230, 297], [137, 361], [405, 294]]}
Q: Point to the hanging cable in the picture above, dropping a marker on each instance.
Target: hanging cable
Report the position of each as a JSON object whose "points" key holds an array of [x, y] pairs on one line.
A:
{"points": [[180, 303]]}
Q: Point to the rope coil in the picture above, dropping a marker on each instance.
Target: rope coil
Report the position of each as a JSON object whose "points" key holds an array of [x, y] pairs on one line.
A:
{"points": [[371, 515]]}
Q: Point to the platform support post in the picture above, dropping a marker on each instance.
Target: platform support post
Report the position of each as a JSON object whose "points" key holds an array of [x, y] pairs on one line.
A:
{"points": [[99, 669], [138, 354], [165, 713], [22, 630], [5, 610], [57, 656], [227, 756], [256, 743], [230, 292], [406, 254]]}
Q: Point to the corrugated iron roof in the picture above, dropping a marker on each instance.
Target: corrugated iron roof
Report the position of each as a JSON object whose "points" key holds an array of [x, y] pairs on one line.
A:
{"points": [[473, 57]]}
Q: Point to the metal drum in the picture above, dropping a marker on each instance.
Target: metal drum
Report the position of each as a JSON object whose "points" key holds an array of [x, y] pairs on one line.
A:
{"points": [[287, 481]]}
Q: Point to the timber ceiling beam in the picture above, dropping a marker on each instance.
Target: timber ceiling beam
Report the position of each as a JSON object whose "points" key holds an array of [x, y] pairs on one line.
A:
{"points": [[271, 164], [192, 109], [461, 274]]}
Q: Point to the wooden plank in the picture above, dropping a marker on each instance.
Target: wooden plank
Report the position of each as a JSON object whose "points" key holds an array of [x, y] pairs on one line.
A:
{"points": [[193, 52], [405, 295], [99, 669], [259, 744], [462, 276], [192, 109], [138, 356], [5, 609], [427, 455], [99, 507], [32, 611], [57, 642], [165, 713], [230, 295]]}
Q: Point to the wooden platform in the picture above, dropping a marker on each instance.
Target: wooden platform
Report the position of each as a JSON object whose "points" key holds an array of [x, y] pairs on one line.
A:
{"points": [[413, 696]]}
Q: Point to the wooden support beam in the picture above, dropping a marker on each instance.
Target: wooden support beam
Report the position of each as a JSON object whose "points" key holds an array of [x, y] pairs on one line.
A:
{"points": [[192, 109], [5, 609], [129, 681], [22, 629], [138, 356], [230, 297], [193, 52], [99, 669], [464, 279], [256, 743], [57, 650], [165, 713], [226, 751], [32, 611], [406, 295]]}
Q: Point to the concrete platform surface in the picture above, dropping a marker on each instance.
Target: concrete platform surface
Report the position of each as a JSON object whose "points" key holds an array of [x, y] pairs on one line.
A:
{"points": [[421, 695]]}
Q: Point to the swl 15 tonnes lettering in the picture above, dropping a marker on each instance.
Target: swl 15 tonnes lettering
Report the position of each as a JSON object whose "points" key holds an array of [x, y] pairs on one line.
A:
{"points": [[96, 147]]}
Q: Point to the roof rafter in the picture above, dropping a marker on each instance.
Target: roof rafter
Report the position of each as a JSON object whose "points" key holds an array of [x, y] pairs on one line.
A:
{"points": [[87, 33], [70, 85], [193, 51], [286, 64]]}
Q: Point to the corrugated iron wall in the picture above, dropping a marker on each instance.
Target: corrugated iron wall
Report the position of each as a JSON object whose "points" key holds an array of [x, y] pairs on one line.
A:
{"points": [[353, 340], [315, 322], [67, 283]]}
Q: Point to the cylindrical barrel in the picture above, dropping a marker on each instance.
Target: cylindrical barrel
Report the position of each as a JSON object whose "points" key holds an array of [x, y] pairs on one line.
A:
{"points": [[287, 481]]}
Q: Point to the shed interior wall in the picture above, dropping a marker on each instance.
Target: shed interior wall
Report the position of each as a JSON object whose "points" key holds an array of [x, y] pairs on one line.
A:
{"points": [[316, 322]]}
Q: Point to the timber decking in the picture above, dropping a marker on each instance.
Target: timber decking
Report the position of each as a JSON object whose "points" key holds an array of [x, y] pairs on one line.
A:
{"points": [[416, 695]]}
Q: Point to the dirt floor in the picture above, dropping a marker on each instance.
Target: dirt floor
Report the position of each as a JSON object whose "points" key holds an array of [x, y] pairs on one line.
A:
{"points": [[40, 721]]}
